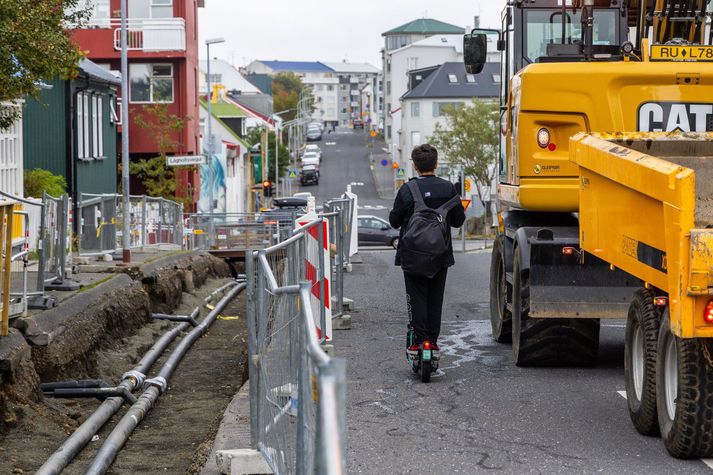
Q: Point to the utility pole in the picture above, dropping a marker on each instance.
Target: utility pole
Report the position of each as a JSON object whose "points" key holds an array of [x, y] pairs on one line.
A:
{"points": [[126, 232], [210, 149]]}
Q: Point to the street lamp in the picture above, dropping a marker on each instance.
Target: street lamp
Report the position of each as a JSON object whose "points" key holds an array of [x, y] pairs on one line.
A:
{"points": [[211, 142]]}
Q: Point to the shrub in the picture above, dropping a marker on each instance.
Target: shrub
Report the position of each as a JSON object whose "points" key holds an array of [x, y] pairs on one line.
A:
{"points": [[38, 181]]}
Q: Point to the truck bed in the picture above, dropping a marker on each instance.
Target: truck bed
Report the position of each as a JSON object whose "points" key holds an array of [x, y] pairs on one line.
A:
{"points": [[694, 151]]}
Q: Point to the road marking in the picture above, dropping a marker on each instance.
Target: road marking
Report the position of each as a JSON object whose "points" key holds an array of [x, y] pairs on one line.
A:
{"points": [[622, 394], [614, 325], [331, 143]]}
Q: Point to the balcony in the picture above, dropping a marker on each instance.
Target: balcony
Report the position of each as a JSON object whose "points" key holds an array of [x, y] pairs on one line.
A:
{"points": [[147, 34]]}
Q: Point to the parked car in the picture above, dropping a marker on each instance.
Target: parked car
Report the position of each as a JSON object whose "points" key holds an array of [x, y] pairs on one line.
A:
{"points": [[374, 231], [314, 134], [359, 124], [284, 211], [313, 148], [309, 175], [310, 156], [305, 195]]}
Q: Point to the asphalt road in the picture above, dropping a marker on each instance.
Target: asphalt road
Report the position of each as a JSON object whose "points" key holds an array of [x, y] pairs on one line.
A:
{"points": [[480, 413]]}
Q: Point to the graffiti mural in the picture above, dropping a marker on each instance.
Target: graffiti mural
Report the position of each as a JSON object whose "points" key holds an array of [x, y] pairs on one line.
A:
{"points": [[213, 175]]}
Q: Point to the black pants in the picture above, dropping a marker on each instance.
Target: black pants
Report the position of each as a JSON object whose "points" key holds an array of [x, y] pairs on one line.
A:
{"points": [[424, 298]]}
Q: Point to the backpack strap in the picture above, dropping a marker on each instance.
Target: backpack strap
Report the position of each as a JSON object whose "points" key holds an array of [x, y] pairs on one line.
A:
{"points": [[449, 205], [419, 203]]}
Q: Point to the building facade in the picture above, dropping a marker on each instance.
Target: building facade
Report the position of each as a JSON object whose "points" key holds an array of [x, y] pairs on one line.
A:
{"points": [[396, 39], [352, 104], [447, 85], [163, 69]]}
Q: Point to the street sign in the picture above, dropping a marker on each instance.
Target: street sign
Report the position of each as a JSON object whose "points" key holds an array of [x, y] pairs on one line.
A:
{"points": [[467, 185], [373, 134], [395, 166], [293, 174], [465, 203], [401, 173], [384, 163], [185, 160]]}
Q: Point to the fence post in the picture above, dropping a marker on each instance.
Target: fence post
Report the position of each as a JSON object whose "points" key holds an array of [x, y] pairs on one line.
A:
{"points": [[339, 259], [320, 277], [63, 237], [6, 216], [304, 390], [252, 347], [159, 236], [144, 216]]}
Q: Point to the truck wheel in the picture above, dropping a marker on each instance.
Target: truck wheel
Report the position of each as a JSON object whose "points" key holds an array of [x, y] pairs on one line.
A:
{"points": [[684, 394], [548, 341], [642, 331], [500, 316]]}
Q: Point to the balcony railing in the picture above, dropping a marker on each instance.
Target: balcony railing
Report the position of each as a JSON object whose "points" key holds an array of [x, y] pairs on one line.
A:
{"points": [[165, 34]]}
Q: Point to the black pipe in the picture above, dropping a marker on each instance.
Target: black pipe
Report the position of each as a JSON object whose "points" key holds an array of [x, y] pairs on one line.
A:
{"points": [[99, 393], [84, 383], [179, 318], [156, 386]]}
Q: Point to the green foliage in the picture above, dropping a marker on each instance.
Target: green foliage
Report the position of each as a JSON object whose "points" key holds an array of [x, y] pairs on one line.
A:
{"points": [[38, 181], [35, 47], [254, 138], [286, 89], [470, 138], [159, 179]]}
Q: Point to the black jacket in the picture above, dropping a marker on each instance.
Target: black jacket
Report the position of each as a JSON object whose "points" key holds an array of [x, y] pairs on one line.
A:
{"points": [[436, 192]]}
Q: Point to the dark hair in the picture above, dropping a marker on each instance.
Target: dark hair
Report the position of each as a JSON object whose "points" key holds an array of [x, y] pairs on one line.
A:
{"points": [[424, 158]]}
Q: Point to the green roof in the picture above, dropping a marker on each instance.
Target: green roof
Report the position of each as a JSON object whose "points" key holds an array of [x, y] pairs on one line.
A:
{"points": [[426, 26], [224, 109]]}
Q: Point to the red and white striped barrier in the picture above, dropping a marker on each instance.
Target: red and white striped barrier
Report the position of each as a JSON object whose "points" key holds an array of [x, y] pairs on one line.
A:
{"points": [[313, 275]]}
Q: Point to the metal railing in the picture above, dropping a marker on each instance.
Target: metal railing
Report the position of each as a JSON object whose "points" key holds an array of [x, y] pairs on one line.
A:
{"points": [[165, 34], [339, 212], [297, 392], [235, 231], [153, 222]]}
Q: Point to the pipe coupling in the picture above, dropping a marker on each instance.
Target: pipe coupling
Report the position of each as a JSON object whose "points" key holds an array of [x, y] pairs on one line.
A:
{"points": [[158, 382], [138, 376]]}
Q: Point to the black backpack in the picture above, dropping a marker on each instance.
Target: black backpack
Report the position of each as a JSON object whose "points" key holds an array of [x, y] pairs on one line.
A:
{"points": [[425, 244]]}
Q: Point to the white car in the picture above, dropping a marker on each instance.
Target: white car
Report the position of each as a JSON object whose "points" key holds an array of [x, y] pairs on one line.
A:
{"points": [[314, 148]]}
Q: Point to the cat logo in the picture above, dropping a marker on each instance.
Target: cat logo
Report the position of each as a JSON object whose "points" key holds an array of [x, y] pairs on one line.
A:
{"points": [[672, 116]]}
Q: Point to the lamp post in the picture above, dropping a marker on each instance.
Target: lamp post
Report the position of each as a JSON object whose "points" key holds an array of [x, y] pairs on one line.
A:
{"points": [[126, 231], [210, 149]]}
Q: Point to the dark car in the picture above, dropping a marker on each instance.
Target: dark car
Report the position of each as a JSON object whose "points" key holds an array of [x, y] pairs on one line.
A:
{"points": [[309, 175], [359, 124], [375, 231], [285, 211]]}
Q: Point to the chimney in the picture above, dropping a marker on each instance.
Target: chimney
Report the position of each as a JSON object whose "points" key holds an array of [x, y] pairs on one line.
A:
{"points": [[476, 21]]}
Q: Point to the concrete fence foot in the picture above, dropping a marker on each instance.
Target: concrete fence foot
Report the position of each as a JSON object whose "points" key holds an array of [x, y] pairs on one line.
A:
{"points": [[241, 462], [343, 322], [348, 304]]}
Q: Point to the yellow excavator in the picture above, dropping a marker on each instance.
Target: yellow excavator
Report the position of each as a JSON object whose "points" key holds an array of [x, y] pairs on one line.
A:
{"points": [[605, 198]]}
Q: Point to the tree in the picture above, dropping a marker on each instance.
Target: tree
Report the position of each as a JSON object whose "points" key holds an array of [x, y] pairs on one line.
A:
{"points": [[286, 89], [34, 47], [255, 138], [39, 181], [159, 179], [469, 137]]}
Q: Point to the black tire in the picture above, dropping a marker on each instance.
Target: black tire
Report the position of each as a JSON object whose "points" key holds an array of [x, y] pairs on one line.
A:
{"points": [[688, 433], [642, 333], [548, 341], [425, 371], [500, 316]]}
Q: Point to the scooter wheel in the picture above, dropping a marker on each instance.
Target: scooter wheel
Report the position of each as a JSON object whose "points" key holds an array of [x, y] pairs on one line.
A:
{"points": [[425, 371]]}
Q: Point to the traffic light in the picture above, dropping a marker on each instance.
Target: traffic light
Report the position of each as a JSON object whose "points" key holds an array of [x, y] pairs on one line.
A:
{"points": [[267, 188]]}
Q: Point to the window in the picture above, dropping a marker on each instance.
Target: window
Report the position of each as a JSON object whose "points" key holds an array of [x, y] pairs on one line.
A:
{"points": [[330, 87], [415, 109], [411, 63], [90, 126], [452, 79], [397, 41], [151, 8], [151, 83], [214, 78], [496, 78], [470, 78], [438, 107], [388, 87], [415, 139]]}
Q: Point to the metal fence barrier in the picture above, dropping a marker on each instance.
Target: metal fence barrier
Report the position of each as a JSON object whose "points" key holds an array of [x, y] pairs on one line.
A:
{"points": [[6, 224], [153, 222], [235, 231], [339, 212], [297, 392]]}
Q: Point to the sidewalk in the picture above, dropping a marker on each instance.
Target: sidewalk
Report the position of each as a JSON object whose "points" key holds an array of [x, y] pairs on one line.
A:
{"points": [[383, 175]]}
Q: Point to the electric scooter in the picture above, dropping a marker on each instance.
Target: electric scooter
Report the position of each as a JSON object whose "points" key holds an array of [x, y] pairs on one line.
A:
{"points": [[424, 363]]}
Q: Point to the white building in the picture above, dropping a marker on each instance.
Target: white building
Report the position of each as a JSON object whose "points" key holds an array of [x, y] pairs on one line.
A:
{"points": [[224, 73], [422, 107], [320, 78], [11, 160], [353, 79]]}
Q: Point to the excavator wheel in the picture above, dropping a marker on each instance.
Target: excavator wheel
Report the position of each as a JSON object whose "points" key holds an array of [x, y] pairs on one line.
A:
{"points": [[642, 332], [500, 316], [684, 393], [548, 341]]}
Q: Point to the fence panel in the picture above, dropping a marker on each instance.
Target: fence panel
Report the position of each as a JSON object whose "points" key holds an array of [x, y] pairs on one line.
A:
{"points": [[6, 225]]}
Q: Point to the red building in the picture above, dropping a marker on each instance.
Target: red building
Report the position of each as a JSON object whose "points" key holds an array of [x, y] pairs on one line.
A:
{"points": [[163, 68]]}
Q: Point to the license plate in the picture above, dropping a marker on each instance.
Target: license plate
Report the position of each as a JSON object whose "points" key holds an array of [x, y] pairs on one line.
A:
{"points": [[426, 356], [681, 53]]}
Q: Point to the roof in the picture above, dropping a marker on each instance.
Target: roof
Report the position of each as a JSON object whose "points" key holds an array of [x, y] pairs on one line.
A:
{"points": [[438, 85], [425, 26], [297, 66], [345, 67], [98, 73], [436, 41], [232, 78], [225, 109]]}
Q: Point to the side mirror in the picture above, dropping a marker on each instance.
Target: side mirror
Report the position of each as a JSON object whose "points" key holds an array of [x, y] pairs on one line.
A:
{"points": [[475, 52]]}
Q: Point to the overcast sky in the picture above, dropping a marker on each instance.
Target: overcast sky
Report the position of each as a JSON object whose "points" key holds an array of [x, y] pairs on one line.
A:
{"points": [[323, 30]]}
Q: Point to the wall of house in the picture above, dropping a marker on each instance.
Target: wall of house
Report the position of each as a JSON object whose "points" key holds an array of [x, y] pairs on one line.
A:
{"points": [[11, 159], [45, 130]]}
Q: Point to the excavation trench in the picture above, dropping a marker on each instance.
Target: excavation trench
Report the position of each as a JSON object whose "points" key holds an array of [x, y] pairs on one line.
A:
{"points": [[177, 434]]}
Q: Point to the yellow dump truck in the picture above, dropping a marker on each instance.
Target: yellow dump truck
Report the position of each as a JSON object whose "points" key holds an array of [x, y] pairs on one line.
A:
{"points": [[605, 197]]}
